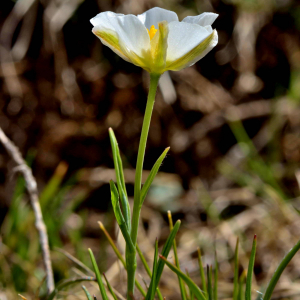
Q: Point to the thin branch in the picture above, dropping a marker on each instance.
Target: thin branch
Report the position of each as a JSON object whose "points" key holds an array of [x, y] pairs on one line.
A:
{"points": [[31, 187]]}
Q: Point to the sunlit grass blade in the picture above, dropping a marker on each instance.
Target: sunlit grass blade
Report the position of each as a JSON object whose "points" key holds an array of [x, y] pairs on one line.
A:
{"points": [[216, 275], [120, 178], [236, 271], [65, 283], [110, 288], [112, 244], [279, 270], [209, 282], [144, 262], [88, 295], [196, 291], [181, 284], [250, 271], [202, 274], [21, 296], [152, 175], [151, 290], [98, 276], [241, 294], [119, 255], [119, 217]]}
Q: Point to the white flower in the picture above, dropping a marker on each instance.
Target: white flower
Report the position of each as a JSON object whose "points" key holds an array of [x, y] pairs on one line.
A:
{"points": [[156, 40]]}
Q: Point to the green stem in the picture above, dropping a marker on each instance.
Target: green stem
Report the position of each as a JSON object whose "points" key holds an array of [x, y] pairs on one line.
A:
{"points": [[131, 255]]}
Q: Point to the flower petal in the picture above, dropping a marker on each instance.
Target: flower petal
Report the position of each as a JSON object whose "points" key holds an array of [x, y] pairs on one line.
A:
{"points": [[183, 37], [155, 15], [125, 35], [194, 54], [203, 19], [105, 31]]}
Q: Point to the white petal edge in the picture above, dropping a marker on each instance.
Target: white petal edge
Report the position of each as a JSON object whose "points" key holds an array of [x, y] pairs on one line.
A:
{"points": [[183, 37], [103, 18], [209, 47], [155, 15], [132, 34], [203, 19]]}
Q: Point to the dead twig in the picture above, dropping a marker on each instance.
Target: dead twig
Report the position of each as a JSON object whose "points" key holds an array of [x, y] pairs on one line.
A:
{"points": [[31, 187]]}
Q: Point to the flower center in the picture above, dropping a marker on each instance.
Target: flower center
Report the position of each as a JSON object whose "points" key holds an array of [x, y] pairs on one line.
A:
{"points": [[152, 31]]}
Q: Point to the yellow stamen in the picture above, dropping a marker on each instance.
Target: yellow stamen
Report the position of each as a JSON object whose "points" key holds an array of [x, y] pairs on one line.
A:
{"points": [[152, 31]]}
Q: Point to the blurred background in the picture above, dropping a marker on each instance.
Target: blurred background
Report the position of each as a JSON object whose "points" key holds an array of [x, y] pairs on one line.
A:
{"points": [[232, 121]]}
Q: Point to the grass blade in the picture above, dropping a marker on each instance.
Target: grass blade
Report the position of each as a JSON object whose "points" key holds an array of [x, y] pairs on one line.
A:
{"points": [[120, 178], [241, 295], [250, 271], [166, 249], [88, 295], [152, 175], [98, 276], [112, 244], [279, 271], [236, 271], [191, 292], [110, 288], [119, 255], [209, 283], [151, 291], [196, 291], [165, 252], [202, 275], [144, 262], [53, 185], [75, 261], [216, 278], [181, 284]]}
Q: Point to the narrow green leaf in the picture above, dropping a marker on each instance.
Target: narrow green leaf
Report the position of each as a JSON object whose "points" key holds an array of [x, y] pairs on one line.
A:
{"points": [[151, 291], [165, 252], [110, 288], [241, 295], [250, 271], [88, 295], [181, 284], [279, 270], [216, 277], [144, 262], [152, 175], [197, 292], [120, 178], [53, 185], [209, 283], [119, 215], [191, 292], [202, 275], [98, 276], [236, 271]]}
